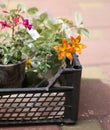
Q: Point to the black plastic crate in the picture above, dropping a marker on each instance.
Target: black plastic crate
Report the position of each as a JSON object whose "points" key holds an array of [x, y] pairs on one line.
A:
{"points": [[42, 105]]}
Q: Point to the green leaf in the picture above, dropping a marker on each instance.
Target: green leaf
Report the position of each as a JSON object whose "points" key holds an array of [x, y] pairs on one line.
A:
{"points": [[32, 10], [70, 23], [2, 6], [19, 6], [85, 32], [43, 16], [78, 19], [4, 60]]}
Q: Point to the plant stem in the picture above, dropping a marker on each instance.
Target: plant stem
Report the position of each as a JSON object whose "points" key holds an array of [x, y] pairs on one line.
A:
{"points": [[13, 30], [64, 63]]}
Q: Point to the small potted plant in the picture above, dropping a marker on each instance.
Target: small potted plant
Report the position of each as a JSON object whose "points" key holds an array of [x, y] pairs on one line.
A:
{"points": [[36, 51], [14, 46]]}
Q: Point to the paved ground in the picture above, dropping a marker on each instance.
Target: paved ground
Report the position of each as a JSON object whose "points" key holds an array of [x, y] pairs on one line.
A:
{"points": [[94, 107]]}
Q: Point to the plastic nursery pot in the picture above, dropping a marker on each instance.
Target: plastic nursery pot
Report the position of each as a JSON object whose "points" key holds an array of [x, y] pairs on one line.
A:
{"points": [[12, 75]]}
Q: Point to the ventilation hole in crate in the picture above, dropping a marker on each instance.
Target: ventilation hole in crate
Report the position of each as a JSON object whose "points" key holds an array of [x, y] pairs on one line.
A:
{"points": [[32, 106]]}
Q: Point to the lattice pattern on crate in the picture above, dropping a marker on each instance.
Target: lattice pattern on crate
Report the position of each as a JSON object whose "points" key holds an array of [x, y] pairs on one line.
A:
{"points": [[32, 106]]}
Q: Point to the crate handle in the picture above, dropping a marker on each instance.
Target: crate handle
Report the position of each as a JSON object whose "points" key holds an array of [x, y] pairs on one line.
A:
{"points": [[57, 75]]}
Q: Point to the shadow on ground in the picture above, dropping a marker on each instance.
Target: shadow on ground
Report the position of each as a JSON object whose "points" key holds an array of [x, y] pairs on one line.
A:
{"points": [[95, 101]]}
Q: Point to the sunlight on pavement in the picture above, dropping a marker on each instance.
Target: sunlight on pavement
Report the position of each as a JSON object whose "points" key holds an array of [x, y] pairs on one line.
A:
{"points": [[91, 5], [96, 34], [94, 73]]}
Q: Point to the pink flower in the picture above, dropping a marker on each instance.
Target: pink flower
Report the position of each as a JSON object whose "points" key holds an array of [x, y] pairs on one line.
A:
{"points": [[26, 24], [15, 20], [4, 24], [4, 11]]}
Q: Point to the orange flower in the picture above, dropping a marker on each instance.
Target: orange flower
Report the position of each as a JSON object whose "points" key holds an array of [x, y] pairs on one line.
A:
{"points": [[65, 50], [76, 45]]}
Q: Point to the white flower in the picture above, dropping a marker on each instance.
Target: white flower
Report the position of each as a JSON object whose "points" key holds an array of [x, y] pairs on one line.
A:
{"points": [[67, 30], [34, 34], [30, 45]]}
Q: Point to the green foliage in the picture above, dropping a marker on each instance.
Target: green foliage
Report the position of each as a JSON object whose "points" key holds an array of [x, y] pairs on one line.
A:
{"points": [[51, 34], [13, 38], [19, 43], [80, 26], [2, 6], [32, 10]]}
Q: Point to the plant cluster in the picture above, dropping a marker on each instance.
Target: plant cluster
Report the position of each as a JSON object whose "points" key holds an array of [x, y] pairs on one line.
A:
{"points": [[40, 39], [13, 40], [54, 39]]}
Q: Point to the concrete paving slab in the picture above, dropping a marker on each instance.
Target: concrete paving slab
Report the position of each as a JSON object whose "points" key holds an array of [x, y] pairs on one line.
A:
{"points": [[95, 13], [94, 99], [96, 53], [91, 5], [94, 72], [41, 127], [95, 95], [105, 122], [106, 70], [84, 125]]}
